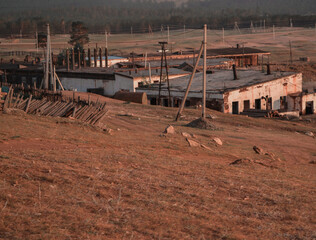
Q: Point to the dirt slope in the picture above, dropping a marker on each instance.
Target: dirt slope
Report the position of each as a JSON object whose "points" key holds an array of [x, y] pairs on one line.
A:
{"points": [[61, 179]]}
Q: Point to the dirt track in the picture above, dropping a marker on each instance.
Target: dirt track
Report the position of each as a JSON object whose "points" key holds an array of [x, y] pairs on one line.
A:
{"points": [[64, 180]]}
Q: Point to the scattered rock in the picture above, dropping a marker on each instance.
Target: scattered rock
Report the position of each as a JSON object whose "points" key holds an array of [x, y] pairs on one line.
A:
{"points": [[218, 141], [109, 131], [202, 124], [272, 156], [258, 150], [185, 134], [193, 143], [170, 130], [206, 147], [241, 161], [211, 116], [310, 134], [313, 162]]}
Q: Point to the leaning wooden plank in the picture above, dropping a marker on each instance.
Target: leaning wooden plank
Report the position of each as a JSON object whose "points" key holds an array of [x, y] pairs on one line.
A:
{"points": [[28, 103], [10, 98], [82, 111], [94, 117], [62, 110], [6, 102], [100, 118]]}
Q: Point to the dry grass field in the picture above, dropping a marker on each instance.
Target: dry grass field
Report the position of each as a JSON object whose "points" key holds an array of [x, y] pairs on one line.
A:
{"points": [[61, 179]]}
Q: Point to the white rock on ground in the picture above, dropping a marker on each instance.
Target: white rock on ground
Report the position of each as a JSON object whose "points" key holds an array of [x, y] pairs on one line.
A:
{"points": [[310, 134], [170, 130], [185, 134], [193, 143], [218, 141]]}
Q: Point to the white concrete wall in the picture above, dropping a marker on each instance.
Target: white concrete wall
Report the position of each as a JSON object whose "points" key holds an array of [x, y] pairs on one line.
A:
{"points": [[123, 83], [82, 85], [274, 89]]}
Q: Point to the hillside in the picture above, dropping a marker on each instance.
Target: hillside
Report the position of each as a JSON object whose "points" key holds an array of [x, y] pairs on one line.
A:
{"points": [[61, 179]]}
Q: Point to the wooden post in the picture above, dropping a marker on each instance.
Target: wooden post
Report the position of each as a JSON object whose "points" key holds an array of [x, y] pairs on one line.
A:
{"points": [[84, 58], [204, 71], [67, 56], [95, 57], [89, 57], [291, 56], [106, 57], [79, 59], [100, 56], [73, 59]]}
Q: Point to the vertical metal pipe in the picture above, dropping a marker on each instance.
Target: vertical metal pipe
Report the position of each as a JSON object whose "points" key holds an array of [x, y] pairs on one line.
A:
{"points": [[73, 59], [100, 56], [67, 59], [89, 57], [106, 58], [79, 59], [84, 58], [95, 57]]}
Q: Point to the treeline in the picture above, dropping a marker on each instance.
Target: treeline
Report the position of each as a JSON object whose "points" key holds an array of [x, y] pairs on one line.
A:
{"points": [[124, 16]]}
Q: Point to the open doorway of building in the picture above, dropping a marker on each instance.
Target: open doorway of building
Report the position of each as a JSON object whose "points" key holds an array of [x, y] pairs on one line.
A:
{"points": [[310, 107], [283, 102], [269, 104], [258, 103], [235, 107], [246, 105]]}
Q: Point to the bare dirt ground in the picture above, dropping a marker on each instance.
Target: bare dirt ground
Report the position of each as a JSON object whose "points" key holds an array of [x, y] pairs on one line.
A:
{"points": [[61, 179]]}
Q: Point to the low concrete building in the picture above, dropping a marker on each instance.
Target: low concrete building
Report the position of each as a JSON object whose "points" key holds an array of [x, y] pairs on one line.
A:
{"points": [[252, 90], [106, 82]]}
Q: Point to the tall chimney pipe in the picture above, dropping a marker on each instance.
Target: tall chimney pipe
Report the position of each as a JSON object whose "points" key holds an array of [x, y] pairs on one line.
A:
{"points": [[95, 57], [268, 69], [84, 58], [79, 59], [100, 53], [73, 59], [106, 57], [67, 59], [89, 57], [235, 72]]}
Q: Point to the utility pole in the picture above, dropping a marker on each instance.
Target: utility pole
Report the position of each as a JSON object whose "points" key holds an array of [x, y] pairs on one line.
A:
{"points": [[45, 86], [251, 27], [183, 31], [236, 28], [149, 69], [291, 56], [204, 71], [164, 60], [145, 59], [132, 31], [168, 34], [291, 23], [36, 36], [264, 25], [106, 39], [223, 30], [273, 32]]}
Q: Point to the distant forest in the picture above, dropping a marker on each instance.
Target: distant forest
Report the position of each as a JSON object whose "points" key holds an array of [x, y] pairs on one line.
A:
{"points": [[124, 16]]}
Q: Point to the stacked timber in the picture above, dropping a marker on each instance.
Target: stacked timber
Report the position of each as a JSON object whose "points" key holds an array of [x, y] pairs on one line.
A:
{"points": [[91, 113]]}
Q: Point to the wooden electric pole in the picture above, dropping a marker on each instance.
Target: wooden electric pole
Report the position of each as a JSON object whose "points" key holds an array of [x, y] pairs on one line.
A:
{"points": [[204, 71]]}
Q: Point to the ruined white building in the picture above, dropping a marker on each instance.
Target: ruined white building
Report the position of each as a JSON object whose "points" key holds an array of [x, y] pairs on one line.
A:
{"points": [[251, 90]]}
